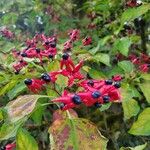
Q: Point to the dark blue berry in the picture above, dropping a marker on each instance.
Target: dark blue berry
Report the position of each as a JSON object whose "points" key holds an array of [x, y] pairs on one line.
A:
{"points": [[96, 94], [28, 81], [97, 105], [65, 56], [61, 105], [90, 82], [106, 99], [50, 56], [24, 55], [117, 84], [46, 77], [76, 99], [37, 50], [47, 42], [108, 82], [53, 44]]}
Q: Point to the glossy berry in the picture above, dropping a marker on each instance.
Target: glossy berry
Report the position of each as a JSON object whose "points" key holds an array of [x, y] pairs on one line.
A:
{"points": [[117, 84], [28, 81], [53, 44], [47, 43], [108, 82], [96, 94], [76, 99], [91, 83], [37, 50], [106, 99], [97, 105], [61, 105], [51, 56], [24, 55], [65, 56], [46, 77]]}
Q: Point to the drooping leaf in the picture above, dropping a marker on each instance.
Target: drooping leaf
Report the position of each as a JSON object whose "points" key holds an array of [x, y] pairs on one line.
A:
{"points": [[139, 147], [16, 90], [8, 130], [132, 13], [103, 58], [142, 125], [71, 133], [145, 87], [130, 108], [127, 66], [122, 45], [24, 141], [21, 107], [95, 74]]}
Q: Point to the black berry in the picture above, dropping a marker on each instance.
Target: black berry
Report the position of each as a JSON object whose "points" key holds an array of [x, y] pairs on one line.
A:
{"points": [[50, 56], [106, 99], [47, 42], [37, 50], [96, 94], [117, 84], [53, 44], [90, 82], [97, 105], [76, 99], [24, 55], [108, 82], [61, 105], [28, 81], [46, 77], [65, 56]]}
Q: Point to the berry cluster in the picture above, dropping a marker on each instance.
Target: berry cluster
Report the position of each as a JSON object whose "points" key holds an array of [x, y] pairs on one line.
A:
{"points": [[6, 33], [142, 62], [38, 47], [95, 92], [45, 47], [67, 69], [133, 3]]}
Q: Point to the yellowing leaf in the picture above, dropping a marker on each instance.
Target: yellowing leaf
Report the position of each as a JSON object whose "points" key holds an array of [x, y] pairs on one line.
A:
{"points": [[145, 87], [21, 107], [130, 108], [71, 133], [24, 141]]}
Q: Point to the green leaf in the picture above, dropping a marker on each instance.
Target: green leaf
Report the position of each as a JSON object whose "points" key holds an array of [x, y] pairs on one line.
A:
{"points": [[145, 87], [9, 130], [38, 114], [122, 45], [18, 89], [132, 13], [130, 108], [96, 74], [105, 106], [75, 132], [139, 147], [127, 66], [21, 107], [8, 47], [142, 125], [24, 141], [62, 81], [103, 58], [8, 87]]}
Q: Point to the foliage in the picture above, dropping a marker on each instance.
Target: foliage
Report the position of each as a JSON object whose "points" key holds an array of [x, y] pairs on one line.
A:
{"points": [[120, 45]]}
